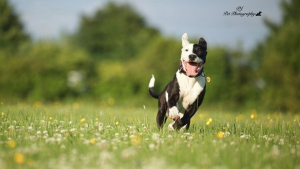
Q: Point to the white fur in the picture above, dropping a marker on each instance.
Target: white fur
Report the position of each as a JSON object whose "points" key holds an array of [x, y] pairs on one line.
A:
{"points": [[152, 81], [190, 88], [167, 99], [185, 40], [173, 112], [170, 127], [187, 49], [167, 96]]}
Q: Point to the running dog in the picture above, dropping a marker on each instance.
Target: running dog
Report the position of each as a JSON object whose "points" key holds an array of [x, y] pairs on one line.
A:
{"points": [[182, 97]]}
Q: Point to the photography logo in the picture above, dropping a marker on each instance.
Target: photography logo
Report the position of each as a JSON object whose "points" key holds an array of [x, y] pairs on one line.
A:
{"points": [[239, 12]]}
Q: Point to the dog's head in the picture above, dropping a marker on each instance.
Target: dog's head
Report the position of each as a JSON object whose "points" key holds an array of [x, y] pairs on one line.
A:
{"points": [[193, 56]]}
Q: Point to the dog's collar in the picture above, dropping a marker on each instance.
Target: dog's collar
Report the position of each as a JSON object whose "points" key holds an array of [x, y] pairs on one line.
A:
{"points": [[181, 70]]}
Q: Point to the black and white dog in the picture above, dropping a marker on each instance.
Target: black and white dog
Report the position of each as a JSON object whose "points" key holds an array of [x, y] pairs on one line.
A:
{"points": [[182, 97]]}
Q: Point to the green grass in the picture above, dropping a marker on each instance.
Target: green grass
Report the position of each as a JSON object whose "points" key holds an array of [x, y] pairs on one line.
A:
{"points": [[86, 136]]}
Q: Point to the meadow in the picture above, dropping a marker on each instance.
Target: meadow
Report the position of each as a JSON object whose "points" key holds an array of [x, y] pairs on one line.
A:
{"points": [[104, 136]]}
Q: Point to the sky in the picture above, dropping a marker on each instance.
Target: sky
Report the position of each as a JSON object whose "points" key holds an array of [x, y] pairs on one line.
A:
{"points": [[47, 19]]}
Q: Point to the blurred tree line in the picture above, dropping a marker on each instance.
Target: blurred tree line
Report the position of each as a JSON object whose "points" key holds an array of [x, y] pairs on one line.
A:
{"points": [[114, 53]]}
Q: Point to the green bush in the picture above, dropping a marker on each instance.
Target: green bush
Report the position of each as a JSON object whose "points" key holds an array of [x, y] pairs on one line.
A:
{"points": [[40, 71]]}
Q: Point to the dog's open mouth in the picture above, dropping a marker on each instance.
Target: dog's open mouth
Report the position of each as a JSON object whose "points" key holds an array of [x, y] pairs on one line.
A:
{"points": [[192, 68]]}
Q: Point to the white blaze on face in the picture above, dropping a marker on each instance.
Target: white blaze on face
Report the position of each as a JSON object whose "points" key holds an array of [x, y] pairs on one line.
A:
{"points": [[191, 68]]}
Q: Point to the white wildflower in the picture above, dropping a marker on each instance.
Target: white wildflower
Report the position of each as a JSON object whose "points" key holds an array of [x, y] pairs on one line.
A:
{"points": [[281, 141], [152, 146], [244, 136], [226, 134], [155, 137], [275, 151], [128, 153]]}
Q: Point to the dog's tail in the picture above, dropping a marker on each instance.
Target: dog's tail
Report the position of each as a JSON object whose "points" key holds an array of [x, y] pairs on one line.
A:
{"points": [[151, 88]]}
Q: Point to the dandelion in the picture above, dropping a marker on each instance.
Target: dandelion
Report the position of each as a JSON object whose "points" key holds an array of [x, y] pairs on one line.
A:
{"points": [[209, 121], [11, 143], [220, 134], [117, 123], [82, 120], [92, 140], [19, 158], [2, 114], [50, 118], [135, 139], [253, 114]]}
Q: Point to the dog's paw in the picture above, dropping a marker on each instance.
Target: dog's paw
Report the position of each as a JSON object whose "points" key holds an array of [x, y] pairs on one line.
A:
{"points": [[174, 113], [182, 129], [170, 127]]}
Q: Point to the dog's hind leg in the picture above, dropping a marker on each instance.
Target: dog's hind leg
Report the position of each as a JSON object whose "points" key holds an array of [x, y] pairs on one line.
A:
{"points": [[161, 117]]}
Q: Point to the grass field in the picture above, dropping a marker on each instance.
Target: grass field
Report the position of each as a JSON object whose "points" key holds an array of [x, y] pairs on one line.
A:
{"points": [[88, 136]]}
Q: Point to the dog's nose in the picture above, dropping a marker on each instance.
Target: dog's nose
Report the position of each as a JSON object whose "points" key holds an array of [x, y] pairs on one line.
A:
{"points": [[192, 57]]}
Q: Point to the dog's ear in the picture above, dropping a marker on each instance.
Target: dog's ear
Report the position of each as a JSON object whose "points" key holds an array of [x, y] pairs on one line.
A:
{"points": [[202, 43], [185, 40], [203, 46]]}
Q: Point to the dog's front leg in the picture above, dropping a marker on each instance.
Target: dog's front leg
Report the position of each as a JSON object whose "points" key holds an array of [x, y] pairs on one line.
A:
{"points": [[173, 110], [185, 120]]}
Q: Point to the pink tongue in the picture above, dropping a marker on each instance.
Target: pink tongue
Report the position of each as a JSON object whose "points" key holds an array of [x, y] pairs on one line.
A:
{"points": [[191, 69]]}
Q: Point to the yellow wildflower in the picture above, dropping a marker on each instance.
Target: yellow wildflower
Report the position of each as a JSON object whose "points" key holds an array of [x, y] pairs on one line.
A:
{"points": [[2, 114], [201, 115], [253, 114], [135, 139], [209, 121], [19, 158], [11, 143], [220, 134], [82, 120], [92, 140], [50, 118], [117, 123]]}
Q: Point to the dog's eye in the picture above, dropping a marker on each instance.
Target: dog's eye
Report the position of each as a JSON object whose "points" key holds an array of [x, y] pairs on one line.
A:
{"points": [[186, 50]]}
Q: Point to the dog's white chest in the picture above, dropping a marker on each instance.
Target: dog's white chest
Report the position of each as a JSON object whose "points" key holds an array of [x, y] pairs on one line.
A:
{"points": [[190, 88]]}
